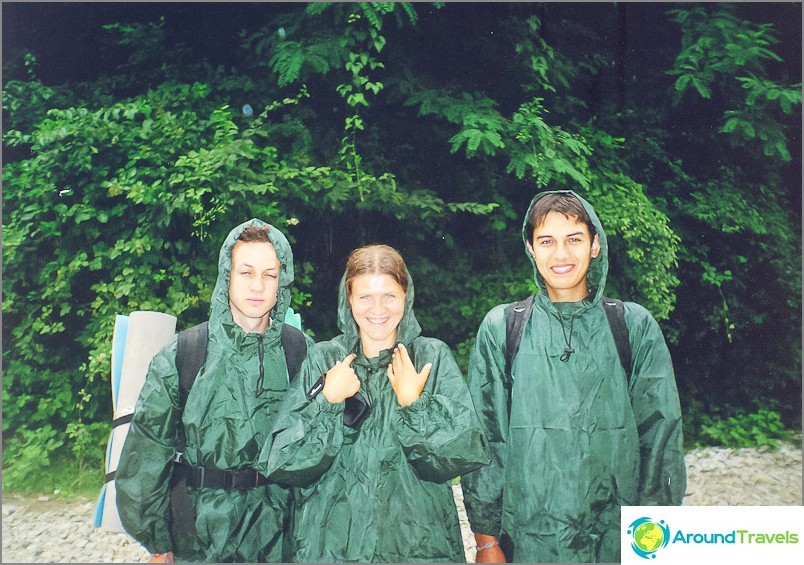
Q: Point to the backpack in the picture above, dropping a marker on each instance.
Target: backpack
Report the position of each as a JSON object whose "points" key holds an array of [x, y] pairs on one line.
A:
{"points": [[191, 352], [518, 312]]}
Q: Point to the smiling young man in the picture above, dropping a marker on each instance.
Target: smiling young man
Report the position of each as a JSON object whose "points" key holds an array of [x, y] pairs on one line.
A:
{"points": [[239, 516], [572, 436]]}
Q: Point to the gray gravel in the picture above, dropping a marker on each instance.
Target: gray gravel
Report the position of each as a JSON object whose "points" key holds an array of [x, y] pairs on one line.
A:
{"points": [[49, 530]]}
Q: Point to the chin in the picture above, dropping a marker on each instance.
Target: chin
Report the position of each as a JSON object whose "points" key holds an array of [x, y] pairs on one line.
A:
{"points": [[258, 315], [375, 335]]}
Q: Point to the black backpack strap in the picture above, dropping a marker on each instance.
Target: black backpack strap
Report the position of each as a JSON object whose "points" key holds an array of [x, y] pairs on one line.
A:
{"points": [[516, 314], [191, 352], [295, 345], [615, 312]]}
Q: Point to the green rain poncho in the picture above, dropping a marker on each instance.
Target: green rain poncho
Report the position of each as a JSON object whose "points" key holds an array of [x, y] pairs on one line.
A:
{"points": [[227, 418], [381, 493], [579, 442]]}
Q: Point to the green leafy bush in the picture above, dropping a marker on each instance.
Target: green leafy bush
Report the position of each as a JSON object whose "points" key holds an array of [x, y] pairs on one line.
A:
{"points": [[30, 451], [743, 429]]}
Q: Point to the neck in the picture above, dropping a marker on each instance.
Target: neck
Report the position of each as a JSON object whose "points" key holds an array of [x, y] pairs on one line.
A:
{"points": [[567, 295], [372, 348], [252, 325]]}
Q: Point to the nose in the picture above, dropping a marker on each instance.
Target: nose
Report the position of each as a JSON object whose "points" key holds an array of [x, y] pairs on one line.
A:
{"points": [[257, 284], [561, 250], [376, 306]]}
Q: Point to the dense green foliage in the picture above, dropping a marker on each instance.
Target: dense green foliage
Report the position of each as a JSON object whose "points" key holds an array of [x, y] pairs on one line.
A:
{"points": [[765, 428], [427, 127]]}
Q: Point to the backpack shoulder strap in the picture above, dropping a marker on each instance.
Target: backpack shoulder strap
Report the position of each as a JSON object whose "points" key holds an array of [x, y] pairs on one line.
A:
{"points": [[515, 316], [615, 312], [191, 352], [295, 346]]}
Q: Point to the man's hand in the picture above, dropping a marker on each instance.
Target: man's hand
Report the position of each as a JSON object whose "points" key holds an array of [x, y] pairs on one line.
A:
{"points": [[407, 383], [488, 550], [161, 557], [341, 381]]}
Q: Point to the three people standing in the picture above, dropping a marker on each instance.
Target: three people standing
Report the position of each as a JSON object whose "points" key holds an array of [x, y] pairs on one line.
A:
{"points": [[380, 419]]}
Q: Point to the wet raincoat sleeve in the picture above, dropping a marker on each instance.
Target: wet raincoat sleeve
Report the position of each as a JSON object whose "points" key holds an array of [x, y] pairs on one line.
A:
{"points": [[440, 432], [483, 489], [657, 411], [308, 434], [142, 479]]}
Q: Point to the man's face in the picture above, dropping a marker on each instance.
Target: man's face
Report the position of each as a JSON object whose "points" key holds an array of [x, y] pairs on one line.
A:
{"points": [[562, 250], [253, 284]]}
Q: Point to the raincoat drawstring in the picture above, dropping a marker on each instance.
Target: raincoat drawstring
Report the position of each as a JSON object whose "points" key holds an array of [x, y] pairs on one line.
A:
{"points": [[261, 378], [568, 351]]}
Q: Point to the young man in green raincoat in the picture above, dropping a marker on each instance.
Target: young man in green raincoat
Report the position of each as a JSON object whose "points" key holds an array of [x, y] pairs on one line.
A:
{"points": [[379, 491], [571, 440], [226, 419]]}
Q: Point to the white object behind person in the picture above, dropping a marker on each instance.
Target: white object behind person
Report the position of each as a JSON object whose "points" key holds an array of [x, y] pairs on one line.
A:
{"points": [[137, 338]]}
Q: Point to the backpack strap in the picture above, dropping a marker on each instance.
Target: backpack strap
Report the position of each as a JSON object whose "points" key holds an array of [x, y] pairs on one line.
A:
{"points": [[191, 352], [295, 346], [615, 312], [516, 314]]}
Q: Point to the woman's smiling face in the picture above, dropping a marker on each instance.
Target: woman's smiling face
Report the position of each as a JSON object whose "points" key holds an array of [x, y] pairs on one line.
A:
{"points": [[378, 303]]}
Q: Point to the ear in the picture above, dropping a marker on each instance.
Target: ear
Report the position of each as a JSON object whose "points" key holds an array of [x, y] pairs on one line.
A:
{"points": [[595, 247], [530, 248]]}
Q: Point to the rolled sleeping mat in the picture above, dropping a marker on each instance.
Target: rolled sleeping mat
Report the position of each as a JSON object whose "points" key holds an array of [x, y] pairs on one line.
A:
{"points": [[118, 348], [143, 334], [118, 351]]}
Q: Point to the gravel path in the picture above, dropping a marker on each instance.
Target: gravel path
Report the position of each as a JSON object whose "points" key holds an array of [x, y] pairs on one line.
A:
{"points": [[44, 530]]}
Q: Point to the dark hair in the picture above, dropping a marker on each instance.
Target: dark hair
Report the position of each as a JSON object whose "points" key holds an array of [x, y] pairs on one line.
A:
{"points": [[255, 234], [563, 203], [375, 259]]}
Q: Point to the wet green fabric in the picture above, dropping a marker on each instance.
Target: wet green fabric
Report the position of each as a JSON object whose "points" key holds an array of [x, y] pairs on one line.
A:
{"points": [[381, 493], [227, 418], [579, 442]]}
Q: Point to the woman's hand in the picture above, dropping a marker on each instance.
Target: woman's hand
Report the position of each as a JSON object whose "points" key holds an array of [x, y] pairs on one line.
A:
{"points": [[407, 383], [341, 381], [161, 557]]}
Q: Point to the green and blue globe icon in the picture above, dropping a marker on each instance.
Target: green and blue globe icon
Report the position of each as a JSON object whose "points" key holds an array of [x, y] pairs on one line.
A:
{"points": [[648, 536]]}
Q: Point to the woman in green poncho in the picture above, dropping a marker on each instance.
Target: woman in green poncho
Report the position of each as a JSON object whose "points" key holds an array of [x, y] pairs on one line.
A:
{"points": [[377, 490]]}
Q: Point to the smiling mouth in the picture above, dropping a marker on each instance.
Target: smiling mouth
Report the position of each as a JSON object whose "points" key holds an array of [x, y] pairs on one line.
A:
{"points": [[562, 269], [378, 321]]}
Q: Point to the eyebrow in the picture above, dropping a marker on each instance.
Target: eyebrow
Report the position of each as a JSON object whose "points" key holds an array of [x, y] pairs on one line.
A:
{"points": [[250, 266], [553, 237]]}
